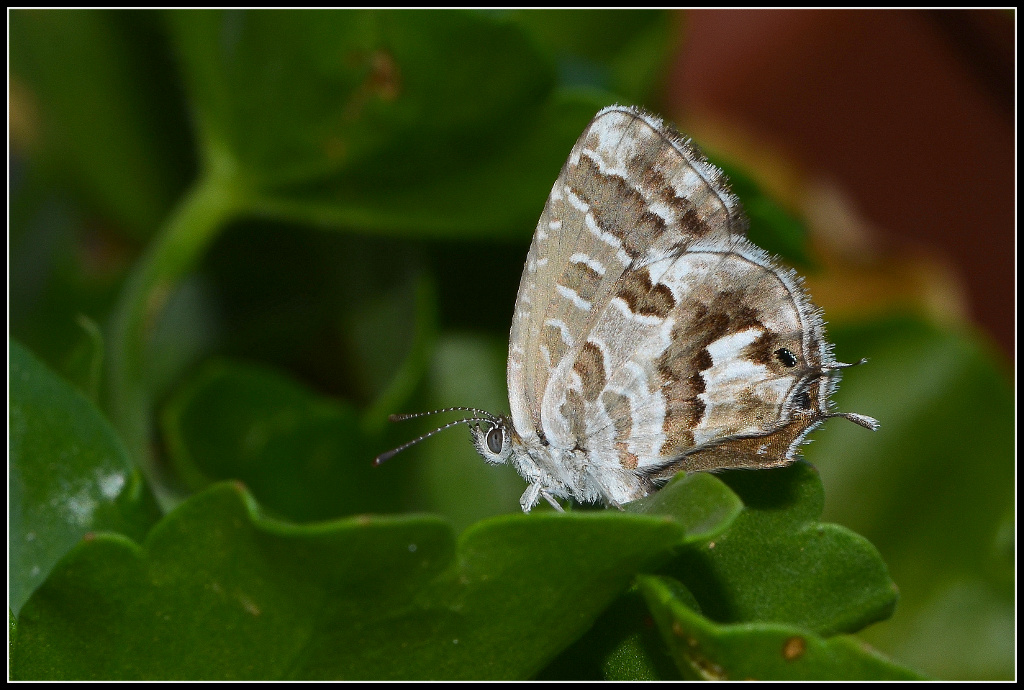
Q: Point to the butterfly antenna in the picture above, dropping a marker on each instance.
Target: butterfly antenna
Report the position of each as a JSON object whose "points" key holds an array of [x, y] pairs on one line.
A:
{"points": [[861, 419], [483, 413], [840, 365], [384, 457]]}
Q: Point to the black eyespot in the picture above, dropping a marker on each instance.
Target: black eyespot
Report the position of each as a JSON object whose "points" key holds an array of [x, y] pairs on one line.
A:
{"points": [[494, 439], [787, 358], [803, 400]]}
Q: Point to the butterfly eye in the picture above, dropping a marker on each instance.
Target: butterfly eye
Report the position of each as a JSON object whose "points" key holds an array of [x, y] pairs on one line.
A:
{"points": [[786, 357], [494, 439]]}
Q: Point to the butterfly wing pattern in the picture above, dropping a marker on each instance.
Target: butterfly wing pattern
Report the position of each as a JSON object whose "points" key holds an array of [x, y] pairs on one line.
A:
{"points": [[650, 336]]}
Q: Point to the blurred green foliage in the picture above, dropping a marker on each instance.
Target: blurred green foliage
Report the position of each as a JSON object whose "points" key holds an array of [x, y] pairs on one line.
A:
{"points": [[239, 240]]}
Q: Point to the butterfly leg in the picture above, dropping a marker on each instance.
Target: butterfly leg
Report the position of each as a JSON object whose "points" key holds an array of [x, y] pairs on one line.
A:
{"points": [[530, 497], [533, 494], [550, 499]]}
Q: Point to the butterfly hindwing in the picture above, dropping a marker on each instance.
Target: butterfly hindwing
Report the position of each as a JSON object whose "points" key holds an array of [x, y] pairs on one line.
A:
{"points": [[732, 360]]}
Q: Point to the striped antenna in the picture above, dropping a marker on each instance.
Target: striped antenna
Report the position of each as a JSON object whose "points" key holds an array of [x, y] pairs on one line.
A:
{"points": [[384, 457], [861, 419], [483, 413], [840, 365]]}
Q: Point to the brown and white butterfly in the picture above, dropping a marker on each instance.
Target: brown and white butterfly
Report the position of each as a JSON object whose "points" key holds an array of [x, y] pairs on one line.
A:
{"points": [[650, 336]]}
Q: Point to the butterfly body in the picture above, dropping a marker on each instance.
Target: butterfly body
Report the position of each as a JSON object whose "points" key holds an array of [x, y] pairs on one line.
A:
{"points": [[649, 335]]}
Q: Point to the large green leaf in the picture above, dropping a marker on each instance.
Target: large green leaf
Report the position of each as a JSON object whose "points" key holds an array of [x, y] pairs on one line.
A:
{"points": [[354, 316], [109, 114], [304, 457], [218, 592], [757, 651], [623, 643], [777, 563], [499, 194], [69, 475], [440, 122], [765, 560], [933, 490], [293, 96]]}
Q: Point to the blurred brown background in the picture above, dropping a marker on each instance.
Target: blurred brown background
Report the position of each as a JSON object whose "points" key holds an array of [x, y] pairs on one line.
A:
{"points": [[910, 113]]}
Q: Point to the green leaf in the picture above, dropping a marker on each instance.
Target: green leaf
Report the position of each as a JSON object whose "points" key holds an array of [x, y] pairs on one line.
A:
{"points": [[623, 51], [354, 315], [294, 96], [499, 194], [778, 563], [303, 456], [942, 469], [757, 651], [110, 118], [623, 644], [442, 123], [84, 363], [217, 592], [69, 475], [699, 501]]}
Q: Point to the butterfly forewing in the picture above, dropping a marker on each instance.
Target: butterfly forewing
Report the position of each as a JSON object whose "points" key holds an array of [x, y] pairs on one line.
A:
{"points": [[630, 195]]}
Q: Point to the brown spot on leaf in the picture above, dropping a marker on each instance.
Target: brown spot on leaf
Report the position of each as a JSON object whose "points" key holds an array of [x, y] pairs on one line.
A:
{"points": [[385, 79], [335, 148], [382, 81], [794, 648]]}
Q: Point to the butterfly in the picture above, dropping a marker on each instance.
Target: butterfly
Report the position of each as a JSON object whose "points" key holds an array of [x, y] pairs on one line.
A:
{"points": [[650, 336]]}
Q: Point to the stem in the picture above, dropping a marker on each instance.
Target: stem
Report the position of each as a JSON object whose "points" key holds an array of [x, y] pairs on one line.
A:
{"points": [[177, 248]]}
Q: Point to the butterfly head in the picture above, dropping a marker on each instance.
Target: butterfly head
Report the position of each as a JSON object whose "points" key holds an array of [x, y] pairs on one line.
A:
{"points": [[493, 439]]}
